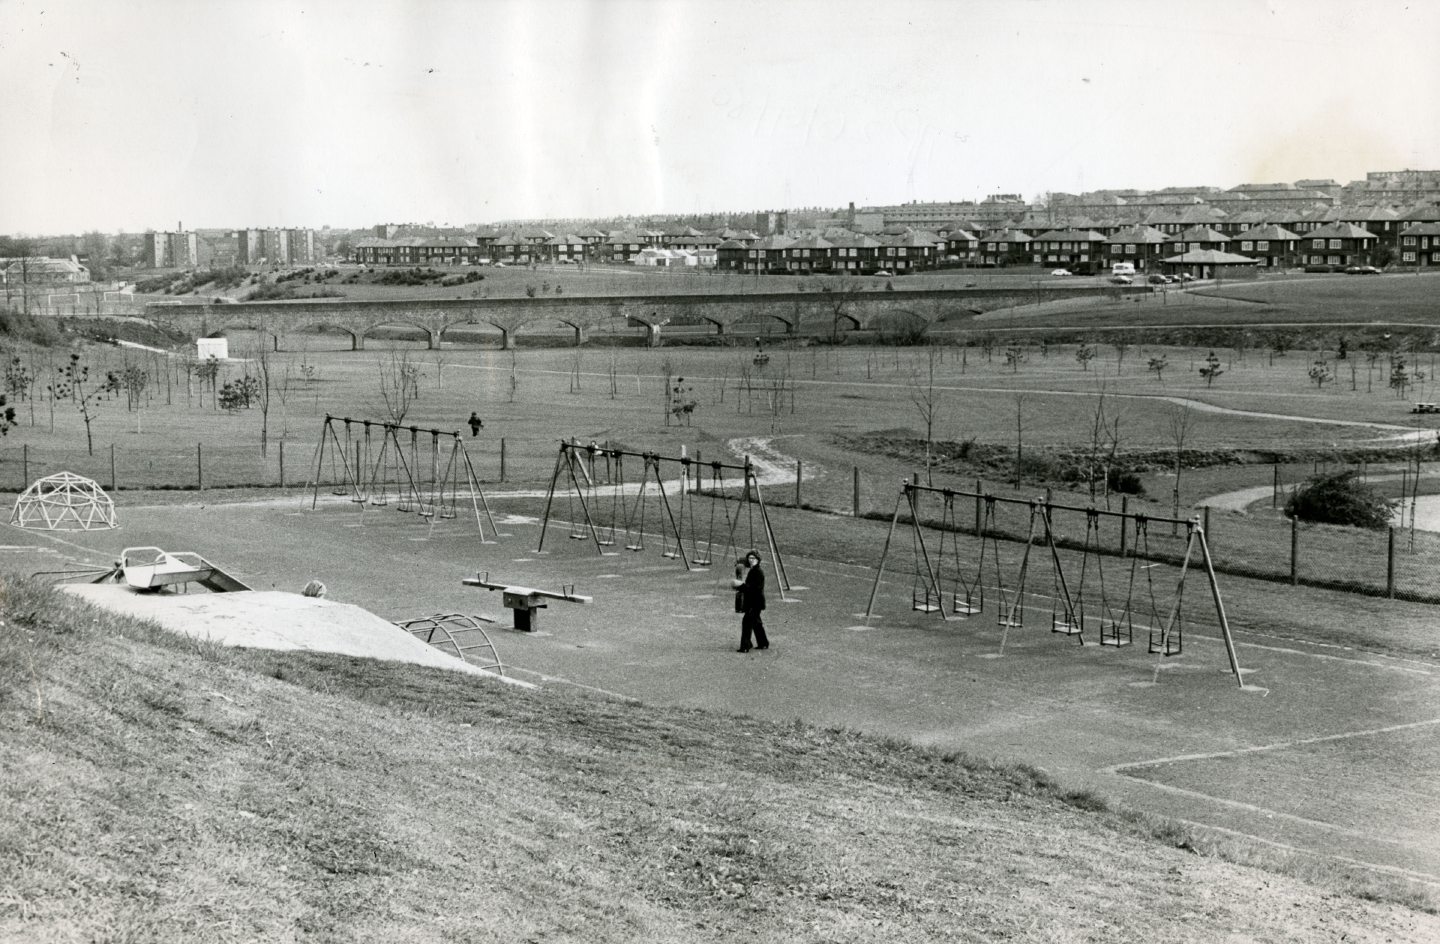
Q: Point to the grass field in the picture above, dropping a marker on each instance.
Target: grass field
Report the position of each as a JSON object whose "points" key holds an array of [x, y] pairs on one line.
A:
{"points": [[165, 790], [1317, 769]]}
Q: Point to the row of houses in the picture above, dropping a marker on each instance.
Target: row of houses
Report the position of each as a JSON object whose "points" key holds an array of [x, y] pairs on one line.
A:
{"points": [[1270, 244]]}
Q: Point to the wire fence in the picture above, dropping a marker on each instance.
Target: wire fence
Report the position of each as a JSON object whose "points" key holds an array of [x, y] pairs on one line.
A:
{"points": [[1398, 562]]}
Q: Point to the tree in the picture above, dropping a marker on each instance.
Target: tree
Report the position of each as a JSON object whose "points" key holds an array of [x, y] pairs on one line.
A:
{"points": [[1014, 354], [1340, 498], [1320, 373], [239, 394], [1399, 376], [399, 385], [1157, 366], [1084, 354], [1212, 369], [1104, 443], [923, 396], [72, 382], [1121, 346], [1181, 424], [208, 372]]}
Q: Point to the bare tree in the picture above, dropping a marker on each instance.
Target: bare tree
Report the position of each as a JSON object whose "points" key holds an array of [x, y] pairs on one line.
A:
{"points": [[1181, 424], [265, 371], [923, 396], [1104, 443], [1019, 435], [72, 382], [399, 387]]}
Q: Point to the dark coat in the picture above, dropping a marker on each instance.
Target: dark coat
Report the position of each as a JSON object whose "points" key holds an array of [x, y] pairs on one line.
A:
{"points": [[752, 592]]}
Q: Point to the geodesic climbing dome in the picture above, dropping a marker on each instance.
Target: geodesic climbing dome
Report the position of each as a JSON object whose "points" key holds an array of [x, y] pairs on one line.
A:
{"points": [[64, 502]]}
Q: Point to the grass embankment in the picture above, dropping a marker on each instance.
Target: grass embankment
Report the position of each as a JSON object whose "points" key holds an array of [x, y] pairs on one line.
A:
{"points": [[159, 789]]}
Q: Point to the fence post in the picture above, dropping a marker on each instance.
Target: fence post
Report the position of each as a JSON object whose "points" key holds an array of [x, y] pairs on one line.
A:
{"points": [[978, 492], [1206, 525], [798, 470], [502, 458], [200, 466], [282, 463], [1124, 523], [113, 487], [1390, 563], [855, 490], [25, 467], [1295, 550], [1275, 488]]}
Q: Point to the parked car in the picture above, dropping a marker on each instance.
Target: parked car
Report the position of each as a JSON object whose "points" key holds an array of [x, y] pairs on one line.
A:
{"points": [[884, 273], [1157, 280], [1121, 279], [1186, 277], [1319, 268], [1061, 272], [1363, 270]]}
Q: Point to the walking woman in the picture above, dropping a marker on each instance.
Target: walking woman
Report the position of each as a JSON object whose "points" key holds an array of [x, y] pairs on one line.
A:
{"points": [[750, 601]]}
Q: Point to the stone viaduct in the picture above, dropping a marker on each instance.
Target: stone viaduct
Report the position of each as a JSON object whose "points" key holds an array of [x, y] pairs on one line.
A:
{"points": [[814, 314]]}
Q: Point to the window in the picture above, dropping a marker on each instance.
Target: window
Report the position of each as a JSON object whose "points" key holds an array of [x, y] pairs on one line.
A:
{"points": [[1003, 247], [1129, 249], [1247, 246], [902, 250], [1318, 244], [1408, 256], [1335, 244], [1333, 260], [1408, 240], [1262, 245]]}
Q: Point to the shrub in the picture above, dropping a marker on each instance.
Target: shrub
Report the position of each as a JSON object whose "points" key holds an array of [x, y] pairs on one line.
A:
{"points": [[1340, 498], [1124, 482]]}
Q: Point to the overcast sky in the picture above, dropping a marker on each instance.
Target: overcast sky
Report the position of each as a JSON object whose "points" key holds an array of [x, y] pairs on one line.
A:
{"points": [[147, 114]]}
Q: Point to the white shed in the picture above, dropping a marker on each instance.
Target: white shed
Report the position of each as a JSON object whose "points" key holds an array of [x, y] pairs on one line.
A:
{"points": [[206, 348]]}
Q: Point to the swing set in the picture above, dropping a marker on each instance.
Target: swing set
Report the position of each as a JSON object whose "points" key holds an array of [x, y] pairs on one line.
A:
{"points": [[943, 583], [610, 509], [376, 463]]}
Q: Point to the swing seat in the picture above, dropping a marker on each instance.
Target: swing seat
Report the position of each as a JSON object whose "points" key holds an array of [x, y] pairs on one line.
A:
{"points": [[921, 606], [427, 511], [670, 554], [447, 511], [380, 501], [339, 491], [1008, 616], [405, 506], [1165, 645], [634, 547], [358, 499], [606, 542], [577, 535], [962, 606], [1115, 634], [701, 561], [1072, 627]]}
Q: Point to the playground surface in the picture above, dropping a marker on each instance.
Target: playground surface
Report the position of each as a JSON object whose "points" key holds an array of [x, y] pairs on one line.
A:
{"points": [[1324, 750]]}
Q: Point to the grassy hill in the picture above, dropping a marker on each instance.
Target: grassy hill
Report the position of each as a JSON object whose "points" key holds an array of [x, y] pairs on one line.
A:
{"points": [[158, 789]]}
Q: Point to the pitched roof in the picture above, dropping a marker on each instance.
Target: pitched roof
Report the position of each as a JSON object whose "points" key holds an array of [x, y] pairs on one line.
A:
{"points": [[1267, 231], [1139, 234], [1210, 257], [1201, 234], [1340, 230], [1007, 236]]}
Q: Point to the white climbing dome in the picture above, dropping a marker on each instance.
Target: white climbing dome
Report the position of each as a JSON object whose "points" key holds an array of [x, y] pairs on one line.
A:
{"points": [[64, 502]]}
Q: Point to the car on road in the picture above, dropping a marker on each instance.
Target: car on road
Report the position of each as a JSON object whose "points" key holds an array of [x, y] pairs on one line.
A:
{"points": [[1058, 273], [1157, 280], [1121, 279], [884, 273], [1186, 277], [1363, 270]]}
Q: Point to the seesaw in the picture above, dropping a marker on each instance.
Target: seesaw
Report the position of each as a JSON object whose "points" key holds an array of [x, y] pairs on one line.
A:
{"points": [[525, 601]]}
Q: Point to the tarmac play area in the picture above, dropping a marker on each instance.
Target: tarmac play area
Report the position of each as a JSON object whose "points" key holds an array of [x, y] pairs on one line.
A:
{"points": [[1323, 750]]}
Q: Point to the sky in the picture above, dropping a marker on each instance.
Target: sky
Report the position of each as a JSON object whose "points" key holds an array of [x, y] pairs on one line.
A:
{"points": [[165, 114]]}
